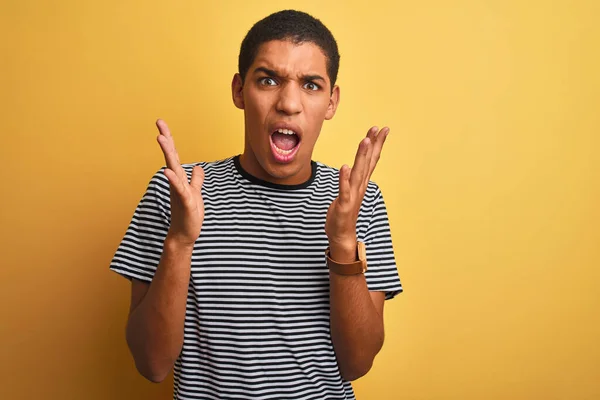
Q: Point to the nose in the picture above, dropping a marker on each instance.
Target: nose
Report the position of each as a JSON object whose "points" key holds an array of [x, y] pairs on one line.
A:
{"points": [[290, 100]]}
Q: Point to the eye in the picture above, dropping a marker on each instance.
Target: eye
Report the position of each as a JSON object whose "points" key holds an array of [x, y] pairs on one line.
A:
{"points": [[312, 86], [267, 81]]}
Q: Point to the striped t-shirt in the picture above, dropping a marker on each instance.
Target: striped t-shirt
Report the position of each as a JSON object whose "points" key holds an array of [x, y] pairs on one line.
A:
{"points": [[257, 317]]}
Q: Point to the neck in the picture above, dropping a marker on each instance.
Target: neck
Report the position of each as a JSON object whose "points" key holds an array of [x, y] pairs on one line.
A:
{"points": [[277, 174]]}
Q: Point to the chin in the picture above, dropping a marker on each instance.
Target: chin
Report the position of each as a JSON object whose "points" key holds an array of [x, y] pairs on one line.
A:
{"points": [[281, 171]]}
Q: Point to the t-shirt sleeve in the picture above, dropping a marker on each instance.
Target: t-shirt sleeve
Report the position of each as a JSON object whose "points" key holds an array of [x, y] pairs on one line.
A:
{"points": [[382, 274], [141, 248]]}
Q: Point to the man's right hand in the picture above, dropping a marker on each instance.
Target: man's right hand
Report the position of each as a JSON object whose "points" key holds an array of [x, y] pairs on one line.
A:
{"points": [[187, 206]]}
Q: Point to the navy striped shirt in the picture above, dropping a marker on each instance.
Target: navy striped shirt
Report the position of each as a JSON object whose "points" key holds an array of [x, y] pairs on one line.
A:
{"points": [[257, 318]]}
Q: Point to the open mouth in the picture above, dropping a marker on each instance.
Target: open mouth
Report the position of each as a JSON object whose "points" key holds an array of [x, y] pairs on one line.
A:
{"points": [[284, 144]]}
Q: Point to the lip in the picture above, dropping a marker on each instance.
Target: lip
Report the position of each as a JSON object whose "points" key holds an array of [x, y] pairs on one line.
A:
{"points": [[285, 158]]}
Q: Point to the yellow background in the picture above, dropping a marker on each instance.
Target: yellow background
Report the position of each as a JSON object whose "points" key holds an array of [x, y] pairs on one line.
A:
{"points": [[491, 177]]}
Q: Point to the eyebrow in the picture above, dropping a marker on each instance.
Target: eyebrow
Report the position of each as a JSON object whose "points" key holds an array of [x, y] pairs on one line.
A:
{"points": [[274, 74]]}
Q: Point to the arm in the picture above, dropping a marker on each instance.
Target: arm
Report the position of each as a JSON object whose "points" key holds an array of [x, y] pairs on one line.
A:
{"points": [[356, 319], [157, 313], [156, 319], [356, 315]]}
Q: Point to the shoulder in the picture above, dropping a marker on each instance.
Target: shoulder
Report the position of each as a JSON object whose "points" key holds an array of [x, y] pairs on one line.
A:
{"points": [[160, 183], [327, 172], [330, 174], [211, 167]]}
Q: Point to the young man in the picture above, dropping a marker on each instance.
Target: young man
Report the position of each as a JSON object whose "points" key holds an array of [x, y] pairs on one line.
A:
{"points": [[249, 275]]}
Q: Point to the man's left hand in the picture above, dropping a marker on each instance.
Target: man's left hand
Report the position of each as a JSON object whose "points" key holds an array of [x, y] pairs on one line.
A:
{"points": [[340, 225]]}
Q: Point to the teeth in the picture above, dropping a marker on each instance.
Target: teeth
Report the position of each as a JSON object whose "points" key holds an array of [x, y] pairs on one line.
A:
{"points": [[283, 152], [286, 131]]}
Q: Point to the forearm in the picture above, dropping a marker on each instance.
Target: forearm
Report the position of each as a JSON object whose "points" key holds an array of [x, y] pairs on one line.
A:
{"points": [[356, 326], [155, 326]]}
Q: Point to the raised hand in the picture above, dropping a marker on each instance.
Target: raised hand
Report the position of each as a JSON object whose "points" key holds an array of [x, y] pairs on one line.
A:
{"points": [[342, 215], [187, 206]]}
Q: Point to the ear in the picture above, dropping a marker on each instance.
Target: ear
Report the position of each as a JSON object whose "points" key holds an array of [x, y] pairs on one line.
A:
{"points": [[334, 100], [237, 91]]}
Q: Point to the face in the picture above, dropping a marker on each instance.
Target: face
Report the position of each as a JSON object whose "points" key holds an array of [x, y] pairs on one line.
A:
{"points": [[286, 96]]}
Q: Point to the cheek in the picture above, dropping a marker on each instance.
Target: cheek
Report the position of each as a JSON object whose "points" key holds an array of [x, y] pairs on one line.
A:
{"points": [[319, 105], [317, 112], [256, 102], [251, 105]]}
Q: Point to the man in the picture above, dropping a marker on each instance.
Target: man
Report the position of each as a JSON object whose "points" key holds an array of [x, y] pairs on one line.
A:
{"points": [[248, 274]]}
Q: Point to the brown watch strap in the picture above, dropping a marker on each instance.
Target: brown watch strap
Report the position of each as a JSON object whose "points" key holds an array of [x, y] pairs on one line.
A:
{"points": [[354, 268]]}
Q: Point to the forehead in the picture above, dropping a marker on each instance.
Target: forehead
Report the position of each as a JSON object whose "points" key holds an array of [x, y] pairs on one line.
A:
{"points": [[290, 59]]}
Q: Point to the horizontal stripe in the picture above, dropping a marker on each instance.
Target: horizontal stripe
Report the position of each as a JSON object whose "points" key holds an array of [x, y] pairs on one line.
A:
{"points": [[257, 313]]}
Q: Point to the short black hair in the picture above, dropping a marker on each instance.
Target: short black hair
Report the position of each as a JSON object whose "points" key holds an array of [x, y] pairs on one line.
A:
{"points": [[296, 26]]}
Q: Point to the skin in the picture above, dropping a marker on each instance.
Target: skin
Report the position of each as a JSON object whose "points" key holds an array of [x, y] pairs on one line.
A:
{"points": [[286, 83], [276, 89]]}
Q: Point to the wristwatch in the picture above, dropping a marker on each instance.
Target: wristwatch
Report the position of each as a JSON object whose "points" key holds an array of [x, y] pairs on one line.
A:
{"points": [[354, 268]]}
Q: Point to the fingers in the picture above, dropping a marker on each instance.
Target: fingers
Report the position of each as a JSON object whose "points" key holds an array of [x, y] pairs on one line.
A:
{"points": [[378, 141], [367, 156], [181, 188], [176, 183], [167, 145], [361, 163], [163, 128], [345, 189], [197, 178], [371, 134]]}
